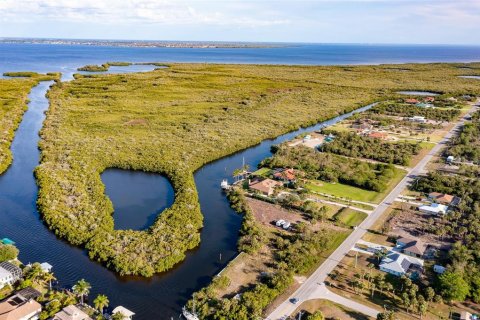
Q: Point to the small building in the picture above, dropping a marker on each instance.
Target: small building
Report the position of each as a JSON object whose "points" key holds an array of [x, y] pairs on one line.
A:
{"points": [[362, 126], [9, 274], [286, 175], [46, 267], [266, 186], [18, 307], [439, 269], [443, 198], [411, 247], [378, 135], [411, 101], [400, 264], [418, 119], [429, 99], [71, 312], [124, 311], [434, 208]]}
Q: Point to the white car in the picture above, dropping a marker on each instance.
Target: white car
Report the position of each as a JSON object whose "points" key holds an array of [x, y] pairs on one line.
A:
{"points": [[286, 225]]}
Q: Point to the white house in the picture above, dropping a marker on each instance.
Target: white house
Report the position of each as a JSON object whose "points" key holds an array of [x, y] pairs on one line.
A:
{"points": [[9, 273], [399, 264], [71, 313], [434, 208], [124, 311]]}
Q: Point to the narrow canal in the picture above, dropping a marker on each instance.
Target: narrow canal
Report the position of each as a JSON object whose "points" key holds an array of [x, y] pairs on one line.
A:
{"points": [[162, 296]]}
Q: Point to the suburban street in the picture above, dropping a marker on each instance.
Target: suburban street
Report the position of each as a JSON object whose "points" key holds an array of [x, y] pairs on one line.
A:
{"points": [[314, 287]]}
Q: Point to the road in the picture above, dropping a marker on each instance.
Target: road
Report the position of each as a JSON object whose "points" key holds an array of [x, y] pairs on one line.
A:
{"points": [[308, 290]]}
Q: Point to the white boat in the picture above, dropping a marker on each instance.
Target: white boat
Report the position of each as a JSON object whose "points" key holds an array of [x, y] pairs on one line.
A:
{"points": [[189, 315], [224, 185]]}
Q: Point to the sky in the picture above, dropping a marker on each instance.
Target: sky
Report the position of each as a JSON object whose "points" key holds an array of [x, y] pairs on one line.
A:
{"points": [[314, 21]]}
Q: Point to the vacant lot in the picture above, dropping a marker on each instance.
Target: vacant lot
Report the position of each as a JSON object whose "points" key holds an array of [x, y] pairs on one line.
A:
{"points": [[329, 309], [190, 114]]}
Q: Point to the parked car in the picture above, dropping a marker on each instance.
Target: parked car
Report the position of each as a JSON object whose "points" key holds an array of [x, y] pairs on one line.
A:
{"points": [[280, 223], [286, 225], [294, 300]]}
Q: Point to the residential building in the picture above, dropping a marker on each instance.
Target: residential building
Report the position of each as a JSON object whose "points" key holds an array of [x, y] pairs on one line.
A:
{"points": [[411, 247], [434, 208], [400, 264], [286, 175], [126, 313], [71, 313], [443, 198], [266, 186], [362, 126], [9, 273], [411, 101], [419, 119], [429, 99], [378, 135], [18, 307]]}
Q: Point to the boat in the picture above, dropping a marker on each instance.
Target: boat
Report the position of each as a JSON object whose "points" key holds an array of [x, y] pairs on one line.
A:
{"points": [[224, 185], [189, 315]]}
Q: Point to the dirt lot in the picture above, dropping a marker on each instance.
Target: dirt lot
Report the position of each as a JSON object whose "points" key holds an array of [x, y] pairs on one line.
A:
{"points": [[267, 213]]}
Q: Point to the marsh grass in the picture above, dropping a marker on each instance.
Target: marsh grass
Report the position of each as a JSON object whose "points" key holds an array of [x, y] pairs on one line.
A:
{"points": [[174, 120]]}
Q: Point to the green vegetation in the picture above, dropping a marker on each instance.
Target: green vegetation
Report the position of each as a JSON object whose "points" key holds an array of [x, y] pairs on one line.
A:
{"points": [[8, 252], [396, 109], [466, 146], [343, 191], [353, 145], [174, 120], [332, 168], [95, 68], [119, 64], [13, 104], [349, 217]]}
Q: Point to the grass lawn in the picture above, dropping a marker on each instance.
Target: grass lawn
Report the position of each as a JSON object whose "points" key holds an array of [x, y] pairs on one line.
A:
{"points": [[350, 217], [329, 309], [348, 192], [262, 172]]}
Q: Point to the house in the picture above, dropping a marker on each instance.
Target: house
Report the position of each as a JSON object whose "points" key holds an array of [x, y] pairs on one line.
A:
{"points": [[362, 126], [9, 273], [71, 313], [400, 264], [18, 307], [411, 247], [124, 311], [443, 198], [378, 135], [411, 101], [429, 99], [286, 175], [434, 208], [419, 119], [266, 186]]}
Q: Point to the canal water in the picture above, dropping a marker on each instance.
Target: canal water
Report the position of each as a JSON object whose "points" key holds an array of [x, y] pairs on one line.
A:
{"points": [[137, 198]]}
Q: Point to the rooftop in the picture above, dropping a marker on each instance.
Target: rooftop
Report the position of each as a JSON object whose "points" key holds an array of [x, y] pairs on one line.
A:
{"points": [[18, 307]]}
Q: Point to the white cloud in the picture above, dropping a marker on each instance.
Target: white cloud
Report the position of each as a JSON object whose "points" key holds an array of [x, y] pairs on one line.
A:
{"points": [[141, 11]]}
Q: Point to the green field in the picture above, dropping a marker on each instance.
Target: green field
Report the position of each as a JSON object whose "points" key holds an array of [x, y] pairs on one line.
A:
{"points": [[262, 172], [174, 120], [350, 217], [353, 193]]}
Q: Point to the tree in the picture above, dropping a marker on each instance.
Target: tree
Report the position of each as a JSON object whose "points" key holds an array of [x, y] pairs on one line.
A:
{"points": [[7, 252], [317, 315], [100, 302], [453, 286], [49, 277], [388, 315], [81, 289], [430, 294], [118, 316]]}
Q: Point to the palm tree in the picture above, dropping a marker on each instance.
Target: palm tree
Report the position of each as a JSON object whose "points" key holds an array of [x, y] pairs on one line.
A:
{"points": [[81, 289], [100, 302], [118, 316], [49, 277]]}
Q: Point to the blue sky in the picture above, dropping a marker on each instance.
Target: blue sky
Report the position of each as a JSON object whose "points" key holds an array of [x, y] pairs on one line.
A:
{"points": [[322, 21]]}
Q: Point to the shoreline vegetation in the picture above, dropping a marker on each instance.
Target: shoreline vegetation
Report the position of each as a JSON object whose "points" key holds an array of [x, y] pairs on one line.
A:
{"points": [[13, 104], [174, 120], [103, 67]]}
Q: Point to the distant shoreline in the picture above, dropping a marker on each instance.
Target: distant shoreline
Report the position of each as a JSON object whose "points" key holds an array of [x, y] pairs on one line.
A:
{"points": [[147, 44]]}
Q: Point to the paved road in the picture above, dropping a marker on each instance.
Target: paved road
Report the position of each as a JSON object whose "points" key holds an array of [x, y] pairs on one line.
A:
{"points": [[309, 288]]}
